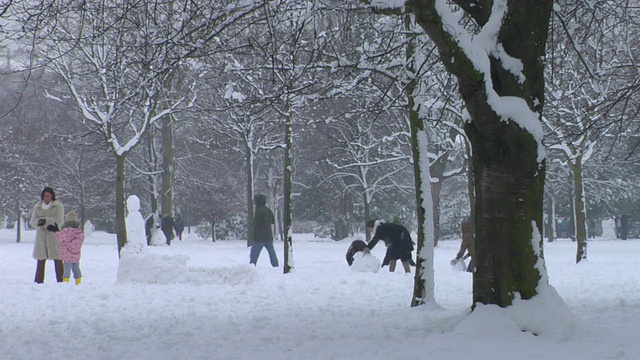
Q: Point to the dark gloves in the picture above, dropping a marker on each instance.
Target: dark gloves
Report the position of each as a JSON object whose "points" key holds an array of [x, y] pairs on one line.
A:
{"points": [[42, 222], [53, 228]]}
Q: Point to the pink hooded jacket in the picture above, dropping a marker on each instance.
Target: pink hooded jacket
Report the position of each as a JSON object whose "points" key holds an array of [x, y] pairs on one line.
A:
{"points": [[70, 240]]}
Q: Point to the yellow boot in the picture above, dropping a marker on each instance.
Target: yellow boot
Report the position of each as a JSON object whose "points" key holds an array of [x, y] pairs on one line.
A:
{"points": [[78, 281], [65, 279]]}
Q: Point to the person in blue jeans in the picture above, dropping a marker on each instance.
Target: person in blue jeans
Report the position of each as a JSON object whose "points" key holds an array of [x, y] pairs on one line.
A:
{"points": [[262, 233]]}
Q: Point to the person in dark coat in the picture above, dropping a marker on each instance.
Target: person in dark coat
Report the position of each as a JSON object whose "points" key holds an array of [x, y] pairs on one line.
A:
{"points": [[262, 233], [398, 241], [179, 226], [167, 226], [465, 246], [356, 246]]}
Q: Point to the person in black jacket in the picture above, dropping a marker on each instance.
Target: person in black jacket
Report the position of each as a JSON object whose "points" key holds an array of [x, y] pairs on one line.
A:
{"points": [[398, 241], [262, 233], [166, 224], [178, 224]]}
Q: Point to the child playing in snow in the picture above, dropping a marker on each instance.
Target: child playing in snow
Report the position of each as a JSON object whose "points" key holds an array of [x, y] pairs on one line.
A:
{"points": [[71, 239]]}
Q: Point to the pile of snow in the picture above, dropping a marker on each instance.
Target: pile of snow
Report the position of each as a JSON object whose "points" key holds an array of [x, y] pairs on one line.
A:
{"points": [[363, 262], [173, 269]]}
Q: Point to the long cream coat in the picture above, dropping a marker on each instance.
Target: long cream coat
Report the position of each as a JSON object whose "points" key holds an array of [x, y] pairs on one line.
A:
{"points": [[46, 246]]}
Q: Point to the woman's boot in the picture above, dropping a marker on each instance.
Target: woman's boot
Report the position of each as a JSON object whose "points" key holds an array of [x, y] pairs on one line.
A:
{"points": [[59, 269], [39, 271]]}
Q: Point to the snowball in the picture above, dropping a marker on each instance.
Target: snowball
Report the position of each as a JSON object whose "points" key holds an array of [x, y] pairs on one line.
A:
{"points": [[365, 263]]}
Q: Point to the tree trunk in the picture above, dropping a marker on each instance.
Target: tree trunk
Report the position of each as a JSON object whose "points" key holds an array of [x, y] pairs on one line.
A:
{"points": [[423, 282], [19, 224], [166, 194], [472, 205], [436, 188], [213, 229], [249, 155], [509, 186], [579, 211], [508, 169], [121, 232], [340, 230], [437, 170], [551, 218], [153, 200], [288, 164], [367, 213]]}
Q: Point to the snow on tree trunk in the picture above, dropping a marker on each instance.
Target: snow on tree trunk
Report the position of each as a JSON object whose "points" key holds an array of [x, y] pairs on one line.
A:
{"points": [[424, 285]]}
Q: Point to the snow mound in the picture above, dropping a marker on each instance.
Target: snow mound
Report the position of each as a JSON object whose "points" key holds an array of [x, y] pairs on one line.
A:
{"points": [[365, 263], [173, 269], [545, 315]]}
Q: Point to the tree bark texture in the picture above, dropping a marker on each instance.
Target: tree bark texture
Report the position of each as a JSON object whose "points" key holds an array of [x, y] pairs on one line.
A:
{"points": [[288, 164], [167, 165], [507, 173], [121, 232], [579, 211], [423, 279], [250, 193], [551, 214]]}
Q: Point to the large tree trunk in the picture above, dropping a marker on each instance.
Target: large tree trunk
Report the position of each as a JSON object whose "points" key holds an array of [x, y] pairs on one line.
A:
{"points": [[508, 169], [579, 211], [509, 186]]}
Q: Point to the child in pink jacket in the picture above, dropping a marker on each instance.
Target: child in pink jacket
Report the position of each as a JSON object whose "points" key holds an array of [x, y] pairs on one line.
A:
{"points": [[71, 239]]}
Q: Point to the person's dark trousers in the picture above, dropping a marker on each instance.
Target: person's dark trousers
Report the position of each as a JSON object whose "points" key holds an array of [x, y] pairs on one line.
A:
{"points": [[40, 266], [40, 271], [59, 265]]}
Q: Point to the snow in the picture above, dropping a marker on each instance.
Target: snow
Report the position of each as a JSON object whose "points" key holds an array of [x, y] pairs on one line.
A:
{"points": [[134, 223], [363, 262], [197, 299]]}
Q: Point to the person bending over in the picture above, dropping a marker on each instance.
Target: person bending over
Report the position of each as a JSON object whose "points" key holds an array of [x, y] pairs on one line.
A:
{"points": [[398, 241]]}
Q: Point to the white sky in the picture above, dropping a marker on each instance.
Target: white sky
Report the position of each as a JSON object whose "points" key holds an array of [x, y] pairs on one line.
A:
{"points": [[201, 300]]}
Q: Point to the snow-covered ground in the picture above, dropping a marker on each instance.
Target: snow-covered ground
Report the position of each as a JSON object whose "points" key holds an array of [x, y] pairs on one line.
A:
{"points": [[201, 300]]}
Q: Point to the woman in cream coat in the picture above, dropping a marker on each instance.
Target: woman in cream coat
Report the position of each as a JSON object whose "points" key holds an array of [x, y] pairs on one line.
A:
{"points": [[47, 218]]}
